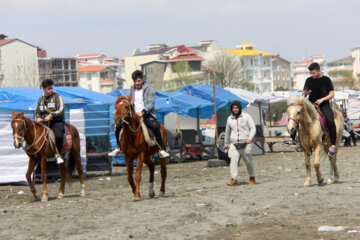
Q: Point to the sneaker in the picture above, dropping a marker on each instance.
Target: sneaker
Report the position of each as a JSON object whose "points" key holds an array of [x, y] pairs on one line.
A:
{"points": [[114, 153], [163, 154], [331, 152], [289, 143], [59, 159], [232, 182]]}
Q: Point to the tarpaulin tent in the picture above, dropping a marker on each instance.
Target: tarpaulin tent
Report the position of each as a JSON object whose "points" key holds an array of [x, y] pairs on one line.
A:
{"points": [[14, 162], [118, 92]]}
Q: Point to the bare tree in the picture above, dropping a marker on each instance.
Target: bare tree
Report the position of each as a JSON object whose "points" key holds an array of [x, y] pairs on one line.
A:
{"points": [[229, 71]]}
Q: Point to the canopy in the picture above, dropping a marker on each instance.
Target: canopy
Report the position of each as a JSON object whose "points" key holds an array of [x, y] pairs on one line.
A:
{"points": [[85, 95], [223, 97], [248, 96], [26, 98], [118, 92]]}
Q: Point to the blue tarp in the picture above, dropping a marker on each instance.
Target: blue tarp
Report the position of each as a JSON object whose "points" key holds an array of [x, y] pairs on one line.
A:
{"points": [[25, 98], [85, 95], [118, 92]]}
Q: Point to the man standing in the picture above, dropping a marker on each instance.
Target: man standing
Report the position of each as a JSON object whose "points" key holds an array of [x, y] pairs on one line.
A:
{"points": [[320, 90], [50, 111], [240, 130]]}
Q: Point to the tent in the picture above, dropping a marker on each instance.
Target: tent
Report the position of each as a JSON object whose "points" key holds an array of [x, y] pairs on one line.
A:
{"points": [[14, 162], [118, 92]]}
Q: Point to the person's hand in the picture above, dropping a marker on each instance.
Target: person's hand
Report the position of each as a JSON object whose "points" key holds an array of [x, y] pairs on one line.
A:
{"points": [[248, 141], [139, 114], [319, 101], [39, 120], [47, 118], [227, 146], [306, 91]]}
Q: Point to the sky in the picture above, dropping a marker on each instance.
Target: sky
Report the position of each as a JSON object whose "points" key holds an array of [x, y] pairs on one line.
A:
{"points": [[295, 29]]}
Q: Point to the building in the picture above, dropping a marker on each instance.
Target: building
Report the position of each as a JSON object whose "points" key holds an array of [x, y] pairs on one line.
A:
{"points": [[169, 68], [100, 73], [281, 69], [62, 70], [344, 68], [257, 64], [301, 72], [18, 63]]}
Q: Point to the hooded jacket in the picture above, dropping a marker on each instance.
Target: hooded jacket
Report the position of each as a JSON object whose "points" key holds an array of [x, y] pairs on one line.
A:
{"points": [[239, 127]]}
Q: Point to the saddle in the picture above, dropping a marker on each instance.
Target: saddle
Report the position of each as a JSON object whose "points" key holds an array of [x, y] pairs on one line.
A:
{"points": [[148, 135], [67, 140]]}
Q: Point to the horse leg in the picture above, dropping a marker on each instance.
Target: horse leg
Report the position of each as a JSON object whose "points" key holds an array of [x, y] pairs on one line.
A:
{"points": [[44, 179], [31, 166], [130, 168], [163, 176], [139, 165], [76, 155], [151, 167], [320, 178], [62, 182], [333, 171], [307, 167]]}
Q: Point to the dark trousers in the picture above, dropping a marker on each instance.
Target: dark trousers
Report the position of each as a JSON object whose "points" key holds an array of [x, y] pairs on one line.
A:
{"points": [[117, 134], [59, 130], [353, 137], [327, 112], [151, 123]]}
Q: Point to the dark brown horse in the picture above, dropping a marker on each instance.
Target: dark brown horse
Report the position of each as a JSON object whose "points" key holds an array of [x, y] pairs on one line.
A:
{"points": [[134, 147], [38, 149]]}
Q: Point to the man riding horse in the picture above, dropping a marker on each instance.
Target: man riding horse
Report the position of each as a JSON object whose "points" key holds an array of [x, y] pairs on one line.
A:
{"points": [[143, 98], [50, 111], [320, 90]]}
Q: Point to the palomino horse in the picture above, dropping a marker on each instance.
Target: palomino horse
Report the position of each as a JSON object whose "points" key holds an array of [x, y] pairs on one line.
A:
{"points": [[304, 118], [134, 146], [38, 148]]}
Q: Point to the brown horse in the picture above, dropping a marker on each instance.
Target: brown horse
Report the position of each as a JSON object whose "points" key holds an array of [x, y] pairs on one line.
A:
{"points": [[38, 149], [304, 118], [134, 146]]}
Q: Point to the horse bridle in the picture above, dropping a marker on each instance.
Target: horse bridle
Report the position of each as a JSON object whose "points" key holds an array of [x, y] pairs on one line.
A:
{"points": [[129, 113], [296, 121], [23, 132], [23, 135]]}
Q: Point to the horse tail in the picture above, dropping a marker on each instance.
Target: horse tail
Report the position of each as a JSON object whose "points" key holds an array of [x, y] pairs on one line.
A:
{"points": [[74, 157]]}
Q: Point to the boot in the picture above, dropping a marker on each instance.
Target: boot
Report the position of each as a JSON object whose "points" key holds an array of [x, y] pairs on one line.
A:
{"points": [[252, 180], [232, 182], [116, 152]]}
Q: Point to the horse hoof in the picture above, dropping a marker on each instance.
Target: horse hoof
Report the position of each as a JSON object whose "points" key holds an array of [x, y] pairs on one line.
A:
{"points": [[306, 184], [152, 194], [136, 199], [321, 180], [60, 196], [83, 194], [329, 181], [44, 199], [161, 194]]}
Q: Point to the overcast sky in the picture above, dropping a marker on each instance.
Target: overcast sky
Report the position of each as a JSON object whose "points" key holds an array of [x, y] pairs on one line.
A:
{"points": [[292, 28]]}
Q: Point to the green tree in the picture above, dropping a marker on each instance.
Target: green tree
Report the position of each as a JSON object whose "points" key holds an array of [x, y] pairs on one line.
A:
{"points": [[184, 76], [343, 79]]}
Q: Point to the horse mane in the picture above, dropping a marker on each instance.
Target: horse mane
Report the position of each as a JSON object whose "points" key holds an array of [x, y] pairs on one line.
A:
{"points": [[305, 103]]}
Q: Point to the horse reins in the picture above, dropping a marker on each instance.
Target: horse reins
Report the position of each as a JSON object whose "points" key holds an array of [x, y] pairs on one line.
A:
{"points": [[129, 113]]}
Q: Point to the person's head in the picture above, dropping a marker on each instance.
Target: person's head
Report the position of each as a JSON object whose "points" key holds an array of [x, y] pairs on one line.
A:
{"points": [[138, 78], [236, 108], [314, 69], [344, 114], [47, 86]]}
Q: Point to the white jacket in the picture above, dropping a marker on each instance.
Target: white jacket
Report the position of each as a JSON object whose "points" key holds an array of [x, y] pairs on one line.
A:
{"points": [[239, 129]]}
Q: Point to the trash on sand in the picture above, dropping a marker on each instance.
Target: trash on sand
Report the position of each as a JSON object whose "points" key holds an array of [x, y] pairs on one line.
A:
{"points": [[296, 194], [156, 172], [101, 179], [331, 229], [265, 214], [199, 190], [205, 169], [201, 204], [354, 231], [108, 178], [20, 192], [288, 170], [279, 167], [229, 225], [263, 170]]}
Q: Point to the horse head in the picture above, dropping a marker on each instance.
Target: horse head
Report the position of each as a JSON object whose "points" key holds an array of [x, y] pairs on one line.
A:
{"points": [[18, 125], [123, 108], [295, 113]]}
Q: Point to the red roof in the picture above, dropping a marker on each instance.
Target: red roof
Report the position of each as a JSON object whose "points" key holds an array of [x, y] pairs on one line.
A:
{"points": [[90, 55], [208, 69], [85, 62], [110, 58], [5, 41], [185, 57], [305, 62], [92, 68]]}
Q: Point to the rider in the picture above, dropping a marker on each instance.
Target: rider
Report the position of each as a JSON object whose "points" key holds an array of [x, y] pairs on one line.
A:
{"points": [[320, 90], [143, 97], [50, 110]]}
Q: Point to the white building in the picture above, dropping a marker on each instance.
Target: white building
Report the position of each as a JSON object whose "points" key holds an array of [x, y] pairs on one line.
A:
{"points": [[301, 72], [258, 65], [18, 63]]}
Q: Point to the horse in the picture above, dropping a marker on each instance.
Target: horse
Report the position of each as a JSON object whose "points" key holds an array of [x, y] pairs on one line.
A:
{"points": [[134, 146], [40, 146], [304, 117]]}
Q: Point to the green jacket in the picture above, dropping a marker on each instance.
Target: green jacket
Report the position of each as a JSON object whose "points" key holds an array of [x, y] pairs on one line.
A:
{"points": [[53, 105]]}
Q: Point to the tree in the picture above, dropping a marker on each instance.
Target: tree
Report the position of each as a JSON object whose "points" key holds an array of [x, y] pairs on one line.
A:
{"points": [[281, 89], [184, 76], [229, 71], [343, 79]]}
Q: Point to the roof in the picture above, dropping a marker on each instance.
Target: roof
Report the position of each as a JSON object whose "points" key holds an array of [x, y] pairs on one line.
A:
{"points": [[90, 55], [280, 58], [5, 41], [246, 44], [349, 58], [186, 57], [208, 69], [305, 62], [247, 52], [317, 55], [110, 58], [85, 62], [91, 68], [164, 50]]}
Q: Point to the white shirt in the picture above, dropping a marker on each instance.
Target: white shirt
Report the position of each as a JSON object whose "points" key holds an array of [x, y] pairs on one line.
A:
{"points": [[139, 100]]}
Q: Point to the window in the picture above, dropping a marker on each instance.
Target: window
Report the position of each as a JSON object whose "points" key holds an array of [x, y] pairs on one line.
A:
{"points": [[90, 87], [0, 53], [251, 62], [88, 77], [73, 64], [66, 64], [195, 66], [151, 71]]}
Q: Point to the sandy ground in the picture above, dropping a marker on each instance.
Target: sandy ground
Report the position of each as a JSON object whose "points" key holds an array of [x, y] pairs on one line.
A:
{"points": [[198, 204]]}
